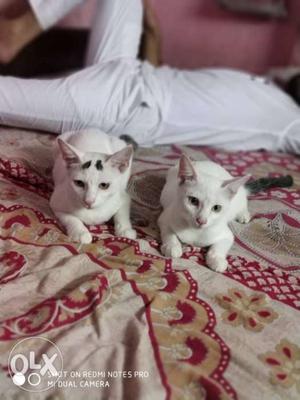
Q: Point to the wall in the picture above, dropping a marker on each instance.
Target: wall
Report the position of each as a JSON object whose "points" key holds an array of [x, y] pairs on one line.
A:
{"points": [[197, 33]]}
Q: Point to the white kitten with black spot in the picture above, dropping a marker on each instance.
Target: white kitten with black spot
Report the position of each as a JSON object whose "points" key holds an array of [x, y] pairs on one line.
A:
{"points": [[199, 199], [91, 174]]}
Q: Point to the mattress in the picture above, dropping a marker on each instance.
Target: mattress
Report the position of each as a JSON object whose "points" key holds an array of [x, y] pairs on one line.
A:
{"points": [[130, 323]]}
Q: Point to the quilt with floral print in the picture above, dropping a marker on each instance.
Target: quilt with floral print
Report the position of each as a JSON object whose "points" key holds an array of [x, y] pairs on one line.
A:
{"points": [[151, 327]]}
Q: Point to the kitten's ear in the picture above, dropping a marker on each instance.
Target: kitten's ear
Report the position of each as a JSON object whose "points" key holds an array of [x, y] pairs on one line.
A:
{"points": [[186, 171], [71, 155], [121, 159], [233, 185]]}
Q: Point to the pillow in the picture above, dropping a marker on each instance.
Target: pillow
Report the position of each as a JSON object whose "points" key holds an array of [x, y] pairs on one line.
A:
{"points": [[268, 8]]}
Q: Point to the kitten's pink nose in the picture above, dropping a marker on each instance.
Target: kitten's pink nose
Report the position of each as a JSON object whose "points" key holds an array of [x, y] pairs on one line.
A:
{"points": [[88, 203], [201, 221]]}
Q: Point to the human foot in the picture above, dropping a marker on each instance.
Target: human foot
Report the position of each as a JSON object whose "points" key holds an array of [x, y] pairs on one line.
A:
{"points": [[151, 41], [16, 33], [150, 18], [14, 8]]}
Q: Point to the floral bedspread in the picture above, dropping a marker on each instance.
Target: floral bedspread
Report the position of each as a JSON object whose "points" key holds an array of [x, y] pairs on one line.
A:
{"points": [[163, 328]]}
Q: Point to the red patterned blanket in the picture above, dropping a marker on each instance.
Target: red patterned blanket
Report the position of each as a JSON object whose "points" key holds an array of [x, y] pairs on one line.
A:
{"points": [[149, 327]]}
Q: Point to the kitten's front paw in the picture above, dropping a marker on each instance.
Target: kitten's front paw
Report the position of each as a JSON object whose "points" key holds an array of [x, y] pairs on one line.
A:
{"points": [[129, 233], [216, 262], [243, 218], [82, 236], [173, 250]]}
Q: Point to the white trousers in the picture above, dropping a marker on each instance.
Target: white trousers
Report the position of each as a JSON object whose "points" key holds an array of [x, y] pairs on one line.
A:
{"points": [[214, 107], [107, 40]]}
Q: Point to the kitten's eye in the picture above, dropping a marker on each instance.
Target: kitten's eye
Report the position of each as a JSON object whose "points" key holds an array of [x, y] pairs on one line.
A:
{"points": [[194, 201], [104, 186], [217, 208], [79, 183]]}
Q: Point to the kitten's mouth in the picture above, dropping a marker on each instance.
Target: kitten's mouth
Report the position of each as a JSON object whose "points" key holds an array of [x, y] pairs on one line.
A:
{"points": [[88, 206]]}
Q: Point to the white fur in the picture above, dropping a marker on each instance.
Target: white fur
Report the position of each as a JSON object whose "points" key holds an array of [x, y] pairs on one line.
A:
{"points": [[75, 206], [180, 220]]}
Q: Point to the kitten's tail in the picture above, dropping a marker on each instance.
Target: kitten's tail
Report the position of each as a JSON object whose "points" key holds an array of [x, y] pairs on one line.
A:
{"points": [[261, 184], [129, 140]]}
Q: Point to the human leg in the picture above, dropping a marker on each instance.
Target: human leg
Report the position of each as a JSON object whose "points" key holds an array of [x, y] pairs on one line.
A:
{"points": [[116, 31], [150, 48], [16, 33], [229, 109], [48, 12], [23, 21], [55, 105]]}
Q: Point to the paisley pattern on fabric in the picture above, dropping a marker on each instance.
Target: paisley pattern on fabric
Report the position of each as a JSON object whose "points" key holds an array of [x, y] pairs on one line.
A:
{"points": [[118, 304]]}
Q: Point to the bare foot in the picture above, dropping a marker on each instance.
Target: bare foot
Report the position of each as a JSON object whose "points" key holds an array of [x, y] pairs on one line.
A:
{"points": [[9, 38], [14, 8], [150, 18], [16, 33], [150, 48]]}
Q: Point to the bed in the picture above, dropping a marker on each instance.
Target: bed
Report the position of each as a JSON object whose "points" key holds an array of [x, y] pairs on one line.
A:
{"points": [[161, 328]]}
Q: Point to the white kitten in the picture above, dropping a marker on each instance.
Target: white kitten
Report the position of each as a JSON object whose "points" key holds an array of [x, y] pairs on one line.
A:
{"points": [[91, 173], [199, 199]]}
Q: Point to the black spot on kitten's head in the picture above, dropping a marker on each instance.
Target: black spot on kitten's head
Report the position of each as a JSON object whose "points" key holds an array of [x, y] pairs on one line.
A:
{"points": [[99, 165], [86, 165]]}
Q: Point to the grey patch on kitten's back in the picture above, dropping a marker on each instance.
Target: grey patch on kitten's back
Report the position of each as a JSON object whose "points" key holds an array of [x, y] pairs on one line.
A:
{"points": [[129, 140], [261, 184]]}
